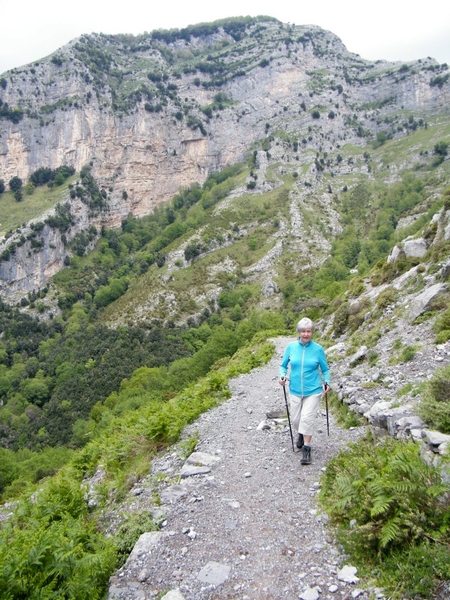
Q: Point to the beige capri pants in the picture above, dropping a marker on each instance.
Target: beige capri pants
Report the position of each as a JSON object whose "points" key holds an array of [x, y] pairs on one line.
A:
{"points": [[303, 412]]}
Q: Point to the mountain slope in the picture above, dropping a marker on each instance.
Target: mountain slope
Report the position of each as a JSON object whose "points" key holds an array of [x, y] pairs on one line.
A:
{"points": [[160, 111], [229, 178]]}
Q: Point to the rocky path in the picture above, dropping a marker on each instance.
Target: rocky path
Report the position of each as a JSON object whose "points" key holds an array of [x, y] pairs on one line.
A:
{"points": [[240, 517]]}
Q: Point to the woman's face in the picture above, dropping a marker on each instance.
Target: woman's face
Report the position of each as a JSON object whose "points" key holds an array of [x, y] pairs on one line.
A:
{"points": [[305, 335]]}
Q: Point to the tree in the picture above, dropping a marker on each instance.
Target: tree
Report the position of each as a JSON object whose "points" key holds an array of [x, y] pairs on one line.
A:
{"points": [[382, 138], [2, 186], [15, 184], [29, 188], [59, 178], [35, 390], [350, 252], [441, 148], [108, 293], [192, 250], [236, 313]]}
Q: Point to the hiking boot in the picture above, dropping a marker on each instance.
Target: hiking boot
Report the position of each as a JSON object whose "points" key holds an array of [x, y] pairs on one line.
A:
{"points": [[300, 441], [306, 458]]}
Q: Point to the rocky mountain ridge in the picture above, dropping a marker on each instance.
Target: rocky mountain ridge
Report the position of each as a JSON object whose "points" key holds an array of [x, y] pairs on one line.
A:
{"points": [[157, 112]]}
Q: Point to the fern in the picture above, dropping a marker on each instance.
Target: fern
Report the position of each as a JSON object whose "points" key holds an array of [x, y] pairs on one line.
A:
{"points": [[389, 532], [381, 505], [345, 493], [50, 548], [391, 493]]}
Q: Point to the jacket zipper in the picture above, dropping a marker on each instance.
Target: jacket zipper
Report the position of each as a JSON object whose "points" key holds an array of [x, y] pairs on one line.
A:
{"points": [[301, 371]]}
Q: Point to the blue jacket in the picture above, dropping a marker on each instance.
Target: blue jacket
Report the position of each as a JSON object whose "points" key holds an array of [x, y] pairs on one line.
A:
{"points": [[309, 368]]}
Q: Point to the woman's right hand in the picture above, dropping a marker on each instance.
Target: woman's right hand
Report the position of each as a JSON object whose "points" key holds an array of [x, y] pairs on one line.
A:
{"points": [[282, 381]]}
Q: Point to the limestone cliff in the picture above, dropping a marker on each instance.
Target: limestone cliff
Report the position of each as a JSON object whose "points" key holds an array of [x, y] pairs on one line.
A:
{"points": [[160, 111]]}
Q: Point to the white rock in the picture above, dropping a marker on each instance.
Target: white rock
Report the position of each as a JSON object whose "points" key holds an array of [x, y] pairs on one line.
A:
{"points": [[309, 594], [415, 248], [333, 589], [348, 574], [202, 459], [173, 595]]}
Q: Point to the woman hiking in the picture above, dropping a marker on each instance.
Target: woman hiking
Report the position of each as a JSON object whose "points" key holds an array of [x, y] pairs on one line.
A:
{"points": [[309, 376]]}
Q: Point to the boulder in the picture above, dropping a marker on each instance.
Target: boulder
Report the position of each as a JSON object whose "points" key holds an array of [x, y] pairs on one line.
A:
{"points": [[423, 301], [359, 356], [415, 248], [395, 253]]}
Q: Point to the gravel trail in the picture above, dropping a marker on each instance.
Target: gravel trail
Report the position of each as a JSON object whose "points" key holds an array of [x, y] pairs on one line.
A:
{"points": [[249, 527]]}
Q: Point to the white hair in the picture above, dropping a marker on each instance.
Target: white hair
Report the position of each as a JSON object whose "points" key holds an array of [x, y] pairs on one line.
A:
{"points": [[305, 323]]}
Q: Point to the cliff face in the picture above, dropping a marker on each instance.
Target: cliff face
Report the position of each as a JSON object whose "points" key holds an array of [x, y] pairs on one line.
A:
{"points": [[76, 111], [30, 267], [152, 114]]}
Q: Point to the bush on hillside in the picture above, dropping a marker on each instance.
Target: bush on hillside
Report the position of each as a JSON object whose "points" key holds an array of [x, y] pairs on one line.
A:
{"points": [[52, 548], [391, 513], [435, 405], [442, 327]]}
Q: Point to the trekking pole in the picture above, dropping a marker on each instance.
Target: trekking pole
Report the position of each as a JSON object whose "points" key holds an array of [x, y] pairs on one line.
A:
{"points": [[326, 409], [289, 417]]}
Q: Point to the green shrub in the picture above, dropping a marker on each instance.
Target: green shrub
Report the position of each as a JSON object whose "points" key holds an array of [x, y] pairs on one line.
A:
{"points": [[442, 327], [372, 357], [344, 417], [419, 570], [389, 508], [128, 533], [341, 317], [356, 287], [408, 353], [50, 547], [435, 405], [357, 313], [386, 298], [405, 389]]}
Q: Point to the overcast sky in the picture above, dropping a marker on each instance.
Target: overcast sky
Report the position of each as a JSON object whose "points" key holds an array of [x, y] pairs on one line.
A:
{"points": [[383, 29]]}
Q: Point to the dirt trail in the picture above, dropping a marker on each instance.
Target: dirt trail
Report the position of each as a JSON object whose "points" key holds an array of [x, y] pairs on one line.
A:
{"points": [[250, 527]]}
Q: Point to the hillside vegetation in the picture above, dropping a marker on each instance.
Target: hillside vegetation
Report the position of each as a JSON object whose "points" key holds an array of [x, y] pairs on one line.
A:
{"points": [[143, 325], [71, 381]]}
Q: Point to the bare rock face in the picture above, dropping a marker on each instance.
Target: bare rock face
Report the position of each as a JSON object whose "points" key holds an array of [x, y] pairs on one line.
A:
{"points": [[143, 143], [23, 274], [29, 268], [151, 119]]}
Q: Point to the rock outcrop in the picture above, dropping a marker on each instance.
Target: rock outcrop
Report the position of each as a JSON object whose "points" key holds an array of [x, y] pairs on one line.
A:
{"points": [[155, 113]]}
